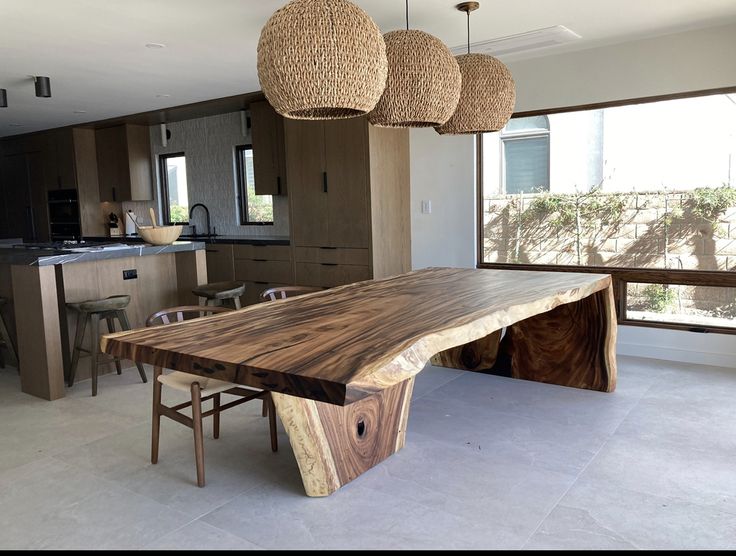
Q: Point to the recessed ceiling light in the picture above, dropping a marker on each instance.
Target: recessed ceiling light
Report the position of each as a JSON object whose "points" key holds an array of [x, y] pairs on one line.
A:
{"points": [[155, 45], [162, 95], [80, 111]]}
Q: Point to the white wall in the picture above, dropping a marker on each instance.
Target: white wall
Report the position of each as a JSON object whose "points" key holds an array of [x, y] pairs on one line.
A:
{"points": [[443, 172], [443, 167]]}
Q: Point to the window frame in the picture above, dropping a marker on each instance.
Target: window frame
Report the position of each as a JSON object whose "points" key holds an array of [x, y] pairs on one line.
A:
{"points": [[242, 188], [620, 276], [164, 187]]}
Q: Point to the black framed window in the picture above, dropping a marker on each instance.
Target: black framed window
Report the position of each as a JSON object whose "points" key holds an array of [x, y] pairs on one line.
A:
{"points": [[253, 209], [174, 192], [628, 193]]}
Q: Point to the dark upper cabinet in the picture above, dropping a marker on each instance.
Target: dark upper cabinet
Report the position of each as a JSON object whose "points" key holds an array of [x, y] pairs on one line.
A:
{"points": [[269, 159], [124, 163]]}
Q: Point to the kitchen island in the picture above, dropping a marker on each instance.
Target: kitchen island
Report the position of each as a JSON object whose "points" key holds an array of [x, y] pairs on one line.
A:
{"points": [[39, 282]]}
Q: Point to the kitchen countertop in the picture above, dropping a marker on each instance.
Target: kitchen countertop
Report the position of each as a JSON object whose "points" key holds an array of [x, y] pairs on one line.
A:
{"points": [[46, 257], [245, 240]]}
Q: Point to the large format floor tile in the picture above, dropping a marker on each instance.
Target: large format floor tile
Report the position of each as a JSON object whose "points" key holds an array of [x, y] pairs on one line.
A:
{"points": [[490, 462]]}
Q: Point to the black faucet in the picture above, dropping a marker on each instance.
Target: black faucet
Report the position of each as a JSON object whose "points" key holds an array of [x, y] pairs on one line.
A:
{"points": [[207, 212]]}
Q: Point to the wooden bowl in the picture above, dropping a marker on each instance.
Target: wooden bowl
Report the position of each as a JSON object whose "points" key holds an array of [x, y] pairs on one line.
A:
{"points": [[160, 235]]}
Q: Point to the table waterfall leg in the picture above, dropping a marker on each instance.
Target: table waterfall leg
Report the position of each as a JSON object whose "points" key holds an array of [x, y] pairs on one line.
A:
{"points": [[475, 356], [334, 444], [574, 345]]}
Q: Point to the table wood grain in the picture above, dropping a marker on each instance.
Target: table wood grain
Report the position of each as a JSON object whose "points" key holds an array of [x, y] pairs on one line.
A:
{"points": [[350, 342]]}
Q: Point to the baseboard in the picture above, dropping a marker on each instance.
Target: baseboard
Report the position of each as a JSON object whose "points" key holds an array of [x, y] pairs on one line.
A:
{"points": [[676, 345]]}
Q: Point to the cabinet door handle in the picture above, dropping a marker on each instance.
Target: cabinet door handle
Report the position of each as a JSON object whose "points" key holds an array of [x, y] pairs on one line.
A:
{"points": [[328, 264], [262, 283], [211, 251], [114, 198], [333, 248], [260, 260], [324, 182]]}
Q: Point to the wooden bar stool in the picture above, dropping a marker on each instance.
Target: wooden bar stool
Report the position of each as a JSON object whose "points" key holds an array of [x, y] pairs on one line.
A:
{"points": [[6, 342], [221, 293], [201, 389], [92, 311]]}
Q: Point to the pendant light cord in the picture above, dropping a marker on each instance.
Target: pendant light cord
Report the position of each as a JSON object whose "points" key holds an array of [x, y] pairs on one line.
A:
{"points": [[468, 13], [407, 15]]}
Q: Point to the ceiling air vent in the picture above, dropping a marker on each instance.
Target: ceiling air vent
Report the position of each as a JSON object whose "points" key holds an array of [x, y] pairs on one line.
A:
{"points": [[523, 42]]}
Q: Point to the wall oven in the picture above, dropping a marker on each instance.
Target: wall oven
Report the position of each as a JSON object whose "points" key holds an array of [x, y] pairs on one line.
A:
{"points": [[64, 214]]}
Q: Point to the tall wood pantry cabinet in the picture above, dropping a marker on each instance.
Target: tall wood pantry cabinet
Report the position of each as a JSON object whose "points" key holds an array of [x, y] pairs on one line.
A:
{"points": [[349, 200]]}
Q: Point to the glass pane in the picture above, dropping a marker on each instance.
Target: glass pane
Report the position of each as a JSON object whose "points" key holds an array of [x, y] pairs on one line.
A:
{"points": [[697, 305], [259, 207], [527, 164], [531, 123], [628, 187], [176, 180]]}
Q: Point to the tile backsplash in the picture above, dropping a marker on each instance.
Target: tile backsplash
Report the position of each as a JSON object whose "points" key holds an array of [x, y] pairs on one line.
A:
{"points": [[209, 146]]}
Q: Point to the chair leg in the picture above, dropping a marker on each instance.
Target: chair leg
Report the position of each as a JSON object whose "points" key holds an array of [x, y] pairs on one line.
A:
{"points": [[78, 338], [125, 325], [236, 302], [111, 329], [264, 408], [156, 420], [216, 416], [198, 436], [94, 349], [272, 423]]}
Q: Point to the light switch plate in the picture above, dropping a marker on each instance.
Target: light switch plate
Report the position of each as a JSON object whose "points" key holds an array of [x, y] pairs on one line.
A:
{"points": [[426, 207]]}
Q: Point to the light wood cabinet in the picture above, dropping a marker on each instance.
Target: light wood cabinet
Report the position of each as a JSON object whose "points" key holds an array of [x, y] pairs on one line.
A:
{"points": [[349, 192], [269, 159], [220, 262], [124, 163], [305, 169]]}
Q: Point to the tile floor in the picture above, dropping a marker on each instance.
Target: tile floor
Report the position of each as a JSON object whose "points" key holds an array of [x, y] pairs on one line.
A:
{"points": [[489, 462]]}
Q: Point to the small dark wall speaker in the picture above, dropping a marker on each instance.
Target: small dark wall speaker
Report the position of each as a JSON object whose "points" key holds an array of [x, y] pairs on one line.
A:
{"points": [[3, 98], [43, 86]]}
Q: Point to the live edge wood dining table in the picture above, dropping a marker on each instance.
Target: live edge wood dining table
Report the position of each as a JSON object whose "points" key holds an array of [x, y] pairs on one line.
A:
{"points": [[341, 363]]}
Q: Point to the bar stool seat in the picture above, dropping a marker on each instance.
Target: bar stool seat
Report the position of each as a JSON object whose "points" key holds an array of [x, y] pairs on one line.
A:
{"points": [[6, 342], [220, 292], [92, 311], [113, 303]]}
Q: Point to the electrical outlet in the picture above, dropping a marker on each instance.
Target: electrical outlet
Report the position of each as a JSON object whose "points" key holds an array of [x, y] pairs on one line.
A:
{"points": [[130, 274], [426, 207]]}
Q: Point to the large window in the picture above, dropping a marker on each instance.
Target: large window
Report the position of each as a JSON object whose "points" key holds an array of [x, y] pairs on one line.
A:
{"points": [[647, 186], [173, 170], [254, 209]]}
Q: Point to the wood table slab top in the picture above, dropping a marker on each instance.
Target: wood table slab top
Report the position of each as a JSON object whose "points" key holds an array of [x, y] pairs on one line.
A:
{"points": [[344, 344]]}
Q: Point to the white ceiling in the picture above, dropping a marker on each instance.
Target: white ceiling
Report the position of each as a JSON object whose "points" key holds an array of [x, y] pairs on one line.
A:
{"points": [[94, 50]]}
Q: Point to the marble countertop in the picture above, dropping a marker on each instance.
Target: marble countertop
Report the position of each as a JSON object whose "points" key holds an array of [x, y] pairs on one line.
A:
{"points": [[46, 257], [246, 240]]}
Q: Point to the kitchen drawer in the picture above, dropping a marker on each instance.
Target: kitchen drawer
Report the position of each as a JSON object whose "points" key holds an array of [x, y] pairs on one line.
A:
{"points": [[329, 275], [262, 252], [220, 263], [264, 271], [332, 255]]}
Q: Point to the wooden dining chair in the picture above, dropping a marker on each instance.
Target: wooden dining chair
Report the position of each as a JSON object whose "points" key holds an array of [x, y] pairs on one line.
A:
{"points": [[282, 292], [201, 389]]}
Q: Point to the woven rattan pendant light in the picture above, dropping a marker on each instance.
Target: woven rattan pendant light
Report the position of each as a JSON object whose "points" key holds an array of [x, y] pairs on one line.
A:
{"points": [[488, 92], [423, 85], [322, 60]]}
